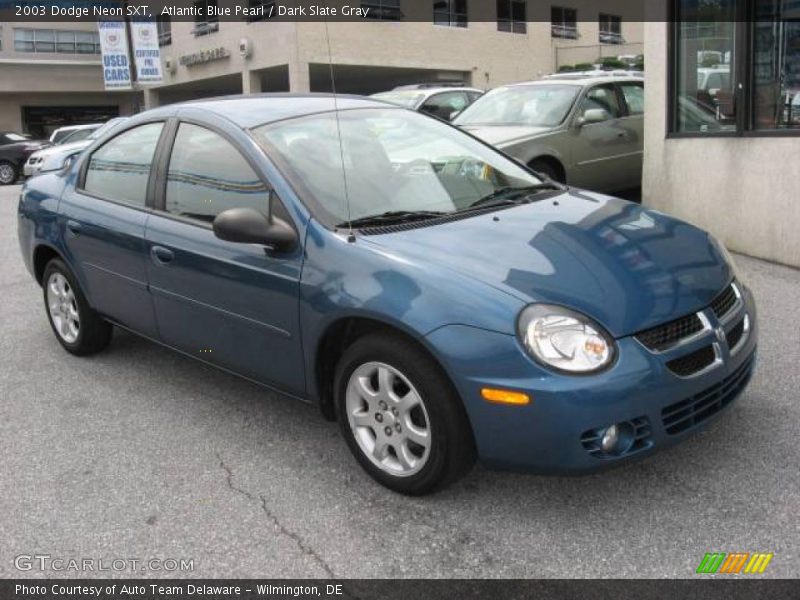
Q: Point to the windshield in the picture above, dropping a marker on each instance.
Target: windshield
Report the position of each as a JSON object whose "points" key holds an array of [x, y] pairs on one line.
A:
{"points": [[408, 99], [394, 160], [76, 136], [531, 105], [110, 124]]}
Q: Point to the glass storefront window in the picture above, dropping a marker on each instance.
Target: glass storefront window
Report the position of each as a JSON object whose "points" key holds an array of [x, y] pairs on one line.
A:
{"points": [[735, 66], [705, 57], [776, 65]]}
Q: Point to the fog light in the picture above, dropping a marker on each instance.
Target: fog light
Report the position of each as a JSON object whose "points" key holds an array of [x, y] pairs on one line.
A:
{"points": [[610, 439]]}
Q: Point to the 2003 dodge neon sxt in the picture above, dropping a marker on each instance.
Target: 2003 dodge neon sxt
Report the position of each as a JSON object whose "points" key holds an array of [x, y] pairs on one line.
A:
{"points": [[438, 298]]}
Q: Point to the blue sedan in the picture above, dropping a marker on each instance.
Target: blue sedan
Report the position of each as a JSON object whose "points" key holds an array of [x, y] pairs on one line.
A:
{"points": [[440, 300]]}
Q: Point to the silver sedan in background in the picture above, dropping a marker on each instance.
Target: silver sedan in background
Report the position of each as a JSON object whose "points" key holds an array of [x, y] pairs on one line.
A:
{"points": [[583, 130]]}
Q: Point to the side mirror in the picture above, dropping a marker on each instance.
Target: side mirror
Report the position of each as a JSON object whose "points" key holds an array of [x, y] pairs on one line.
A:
{"points": [[593, 115], [248, 226]]}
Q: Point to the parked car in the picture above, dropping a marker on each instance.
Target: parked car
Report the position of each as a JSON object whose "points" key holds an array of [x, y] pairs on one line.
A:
{"points": [[437, 297], [15, 149], [57, 157], [440, 101], [583, 131], [59, 135]]}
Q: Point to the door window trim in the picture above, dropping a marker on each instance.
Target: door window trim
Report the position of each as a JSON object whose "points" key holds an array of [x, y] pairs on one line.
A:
{"points": [[164, 158], [148, 200]]}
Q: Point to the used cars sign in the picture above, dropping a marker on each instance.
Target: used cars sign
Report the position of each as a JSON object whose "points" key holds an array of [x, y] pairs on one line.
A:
{"points": [[116, 64]]}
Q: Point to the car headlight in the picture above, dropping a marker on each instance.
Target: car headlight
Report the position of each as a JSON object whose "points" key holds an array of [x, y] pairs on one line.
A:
{"points": [[723, 252], [564, 339]]}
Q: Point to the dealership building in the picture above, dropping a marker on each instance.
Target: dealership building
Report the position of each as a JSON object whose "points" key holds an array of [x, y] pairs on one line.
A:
{"points": [[50, 73], [725, 154]]}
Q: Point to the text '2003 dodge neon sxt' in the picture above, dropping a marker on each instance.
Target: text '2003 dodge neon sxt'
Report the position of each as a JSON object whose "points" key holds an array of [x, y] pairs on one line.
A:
{"points": [[441, 300]]}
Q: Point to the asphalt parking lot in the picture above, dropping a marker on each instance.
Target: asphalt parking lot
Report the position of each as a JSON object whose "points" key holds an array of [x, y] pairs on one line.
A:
{"points": [[141, 452]]}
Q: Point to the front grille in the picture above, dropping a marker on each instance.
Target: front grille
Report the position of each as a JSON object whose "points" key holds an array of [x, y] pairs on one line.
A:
{"points": [[687, 413], [662, 337], [642, 432], [735, 335], [693, 362], [723, 303]]}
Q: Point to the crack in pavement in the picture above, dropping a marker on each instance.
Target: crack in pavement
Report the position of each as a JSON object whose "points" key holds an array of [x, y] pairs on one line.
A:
{"points": [[303, 546]]}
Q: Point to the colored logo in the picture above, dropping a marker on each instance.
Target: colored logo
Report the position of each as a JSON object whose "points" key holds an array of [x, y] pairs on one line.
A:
{"points": [[734, 563]]}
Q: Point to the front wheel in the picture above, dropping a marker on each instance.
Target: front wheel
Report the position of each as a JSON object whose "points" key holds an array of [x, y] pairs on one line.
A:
{"points": [[78, 328], [8, 172], [401, 417]]}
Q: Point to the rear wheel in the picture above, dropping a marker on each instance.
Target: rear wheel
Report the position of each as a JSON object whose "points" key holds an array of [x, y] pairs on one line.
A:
{"points": [[78, 328], [8, 172], [401, 417]]}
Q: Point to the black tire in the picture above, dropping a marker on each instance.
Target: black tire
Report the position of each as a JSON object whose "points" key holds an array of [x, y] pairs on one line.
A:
{"points": [[452, 448], [94, 333], [548, 169], [8, 167]]}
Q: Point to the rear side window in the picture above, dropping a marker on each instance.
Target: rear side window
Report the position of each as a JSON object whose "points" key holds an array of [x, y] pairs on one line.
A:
{"points": [[120, 169], [634, 97], [207, 175]]}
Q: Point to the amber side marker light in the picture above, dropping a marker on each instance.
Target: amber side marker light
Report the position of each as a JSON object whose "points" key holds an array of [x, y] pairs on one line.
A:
{"points": [[505, 397]]}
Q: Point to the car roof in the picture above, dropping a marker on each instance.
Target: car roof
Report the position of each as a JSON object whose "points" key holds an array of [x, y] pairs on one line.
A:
{"points": [[578, 80], [260, 109]]}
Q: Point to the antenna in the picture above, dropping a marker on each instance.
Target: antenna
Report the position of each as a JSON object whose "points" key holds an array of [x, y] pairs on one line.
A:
{"points": [[350, 237]]}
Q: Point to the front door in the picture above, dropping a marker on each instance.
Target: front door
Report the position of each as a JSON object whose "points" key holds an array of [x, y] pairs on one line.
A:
{"points": [[104, 221], [601, 151], [233, 305]]}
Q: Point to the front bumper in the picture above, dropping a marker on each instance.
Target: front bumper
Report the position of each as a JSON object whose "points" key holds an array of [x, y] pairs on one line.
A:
{"points": [[557, 431], [30, 169]]}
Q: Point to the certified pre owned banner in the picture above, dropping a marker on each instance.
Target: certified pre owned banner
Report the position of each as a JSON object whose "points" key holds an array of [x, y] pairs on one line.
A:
{"points": [[146, 55], [116, 64]]}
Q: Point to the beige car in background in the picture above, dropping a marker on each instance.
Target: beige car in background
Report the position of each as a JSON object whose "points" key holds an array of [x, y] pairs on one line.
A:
{"points": [[582, 130]]}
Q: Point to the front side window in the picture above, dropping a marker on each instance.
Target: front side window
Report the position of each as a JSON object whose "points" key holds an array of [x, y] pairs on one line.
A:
{"points": [[563, 22], [602, 97], [388, 160], [120, 169], [610, 29], [528, 105], [207, 175], [451, 13], [512, 16]]}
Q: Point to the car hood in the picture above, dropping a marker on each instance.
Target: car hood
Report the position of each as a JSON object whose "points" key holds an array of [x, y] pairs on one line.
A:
{"points": [[626, 267], [504, 134], [64, 149]]}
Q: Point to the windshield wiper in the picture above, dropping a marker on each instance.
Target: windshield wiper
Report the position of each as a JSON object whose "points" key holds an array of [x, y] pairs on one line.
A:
{"points": [[512, 195], [394, 216]]}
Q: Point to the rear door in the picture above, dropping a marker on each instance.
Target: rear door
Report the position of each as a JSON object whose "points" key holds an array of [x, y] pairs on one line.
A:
{"points": [[632, 93], [103, 220], [233, 305]]}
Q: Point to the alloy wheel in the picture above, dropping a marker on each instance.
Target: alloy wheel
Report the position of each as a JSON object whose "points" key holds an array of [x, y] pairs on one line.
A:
{"points": [[7, 174], [388, 419], [63, 308]]}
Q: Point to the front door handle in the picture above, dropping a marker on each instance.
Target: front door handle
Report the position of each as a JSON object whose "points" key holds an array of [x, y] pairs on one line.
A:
{"points": [[73, 227], [161, 255]]}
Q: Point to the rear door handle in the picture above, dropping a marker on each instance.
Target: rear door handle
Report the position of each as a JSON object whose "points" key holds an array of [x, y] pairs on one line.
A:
{"points": [[73, 227], [161, 255]]}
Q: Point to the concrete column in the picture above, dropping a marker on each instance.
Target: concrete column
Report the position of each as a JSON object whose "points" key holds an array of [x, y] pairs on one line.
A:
{"points": [[299, 77], [251, 82], [150, 98]]}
